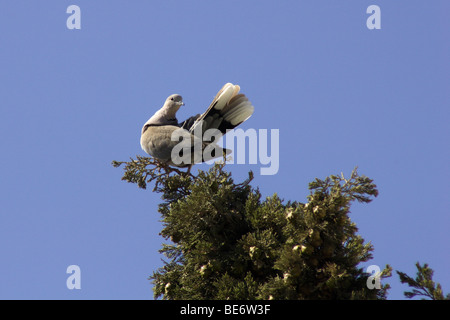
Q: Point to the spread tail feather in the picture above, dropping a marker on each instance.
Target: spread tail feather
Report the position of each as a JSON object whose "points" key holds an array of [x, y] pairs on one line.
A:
{"points": [[227, 110]]}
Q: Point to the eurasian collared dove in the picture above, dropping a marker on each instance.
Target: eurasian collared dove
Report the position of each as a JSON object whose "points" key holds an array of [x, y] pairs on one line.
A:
{"points": [[162, 132]]}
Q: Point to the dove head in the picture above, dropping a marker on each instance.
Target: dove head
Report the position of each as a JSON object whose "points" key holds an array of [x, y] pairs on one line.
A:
{"points": [[172, 104]]}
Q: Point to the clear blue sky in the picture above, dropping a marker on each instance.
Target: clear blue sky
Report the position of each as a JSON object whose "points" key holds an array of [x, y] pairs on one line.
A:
{"points": [[342, 95]]}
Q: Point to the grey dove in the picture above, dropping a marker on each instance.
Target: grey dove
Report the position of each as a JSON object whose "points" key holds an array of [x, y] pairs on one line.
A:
{"points": [[162, 132]]}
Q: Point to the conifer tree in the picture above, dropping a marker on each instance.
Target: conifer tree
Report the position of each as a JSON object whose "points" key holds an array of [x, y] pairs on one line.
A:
{"points": [[226, 242], [423, 284]]}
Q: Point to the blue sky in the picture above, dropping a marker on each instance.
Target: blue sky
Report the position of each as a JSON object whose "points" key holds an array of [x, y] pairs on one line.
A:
{"points": [[341, 95]]}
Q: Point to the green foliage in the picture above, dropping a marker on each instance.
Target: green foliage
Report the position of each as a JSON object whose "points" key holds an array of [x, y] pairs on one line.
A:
{"points": [[138, 171], [423, 284], [226, 242]]}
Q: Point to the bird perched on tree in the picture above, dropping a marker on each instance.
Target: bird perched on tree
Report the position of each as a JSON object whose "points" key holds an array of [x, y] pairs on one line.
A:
{"points": [[161, 134]]}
